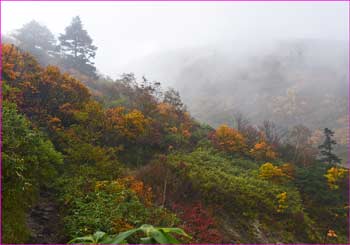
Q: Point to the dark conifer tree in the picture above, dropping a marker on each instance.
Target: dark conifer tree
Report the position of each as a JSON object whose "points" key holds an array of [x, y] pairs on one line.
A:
{"points": [[326, 148], [38, 40], [77, 48]]}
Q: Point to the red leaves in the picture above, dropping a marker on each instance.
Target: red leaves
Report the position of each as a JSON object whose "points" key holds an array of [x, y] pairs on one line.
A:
{"points": [[198, 222]]}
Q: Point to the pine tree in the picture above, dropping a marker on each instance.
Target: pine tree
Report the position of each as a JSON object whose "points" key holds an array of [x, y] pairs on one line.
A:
{"points": [[77, 47], [38, 40], [326, 149]]}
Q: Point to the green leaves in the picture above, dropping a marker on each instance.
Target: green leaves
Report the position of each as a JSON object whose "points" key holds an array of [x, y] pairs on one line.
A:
{"points": [[29, 161], [99, 237], [153, 235]]}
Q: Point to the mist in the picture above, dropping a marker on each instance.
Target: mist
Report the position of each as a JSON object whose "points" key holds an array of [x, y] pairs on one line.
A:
{"points": [[126, 32], [279, 61], [212, 122]]}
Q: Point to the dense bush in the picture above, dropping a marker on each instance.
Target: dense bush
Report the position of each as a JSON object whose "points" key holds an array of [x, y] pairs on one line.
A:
{"points": [[111, 206], [29, 163], [232, 187], [215, 181]]}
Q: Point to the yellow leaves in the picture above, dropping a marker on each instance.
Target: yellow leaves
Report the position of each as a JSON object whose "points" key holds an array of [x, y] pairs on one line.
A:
{"points": [[269, 171], [130, 125], [53, 70], [263, 151], [99, 185], [282, 200], [138, 187], [136, 123], [229, 139], [273, 173], [173, 130], [334, 176]]}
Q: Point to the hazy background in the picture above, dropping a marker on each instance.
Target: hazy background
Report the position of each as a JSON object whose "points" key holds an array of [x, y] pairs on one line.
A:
{"points": [[287, 62], [128, 31]]}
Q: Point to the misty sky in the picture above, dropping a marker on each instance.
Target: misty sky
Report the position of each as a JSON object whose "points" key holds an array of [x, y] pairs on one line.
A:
{"points": [[127, 31]]}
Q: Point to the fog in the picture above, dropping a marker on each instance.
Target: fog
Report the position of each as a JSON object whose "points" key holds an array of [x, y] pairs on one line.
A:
{"points": [[281, 61], [127, 32]]}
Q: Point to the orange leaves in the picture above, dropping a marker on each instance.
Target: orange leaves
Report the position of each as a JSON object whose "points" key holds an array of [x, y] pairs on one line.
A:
{"points": [[63, 88], [263, 151], [55, 124], [232, 141], [186, 133], [43, 90], [130, 125], [17, 65], [8, 70], [166, 109], [288, 169], [331, 233], [229, 140], [10, 57], [138, 187]]}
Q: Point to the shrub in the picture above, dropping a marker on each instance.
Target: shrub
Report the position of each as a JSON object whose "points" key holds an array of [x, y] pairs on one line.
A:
{"points": [[273, 173], [29, 162], [262, 151], [229, 140], [112, 206]]}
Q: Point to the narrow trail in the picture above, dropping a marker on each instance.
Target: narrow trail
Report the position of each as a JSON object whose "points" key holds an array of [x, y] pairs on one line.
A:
{"points": [[45, 222]]}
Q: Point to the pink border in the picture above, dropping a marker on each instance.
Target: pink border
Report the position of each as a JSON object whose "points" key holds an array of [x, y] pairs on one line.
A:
{"points": [[348, 133], [174, 0]]}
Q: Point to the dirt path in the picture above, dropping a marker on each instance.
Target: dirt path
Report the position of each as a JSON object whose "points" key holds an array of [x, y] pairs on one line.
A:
{"points": [[45, 222]]}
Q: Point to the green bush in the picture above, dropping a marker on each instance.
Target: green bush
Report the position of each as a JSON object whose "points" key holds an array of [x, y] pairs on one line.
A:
{"points": [[110, 207], [234, 186], [29, 162]]}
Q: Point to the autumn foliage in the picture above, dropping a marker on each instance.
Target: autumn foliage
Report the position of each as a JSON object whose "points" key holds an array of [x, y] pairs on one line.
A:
{"points": [[127, 124], [274, 173], [198, 222], [262, 151], [335, 176], [128, 153], [229, 140]]}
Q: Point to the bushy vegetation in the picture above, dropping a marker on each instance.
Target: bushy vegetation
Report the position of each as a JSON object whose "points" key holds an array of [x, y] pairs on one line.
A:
{"points": [[111, 206], [235, 191], [29, 163], [119, 154]]}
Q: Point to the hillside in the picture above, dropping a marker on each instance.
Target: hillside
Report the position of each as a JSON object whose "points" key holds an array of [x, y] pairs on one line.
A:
{"points": [[288, 82], [131, 154], [251, 150]]}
